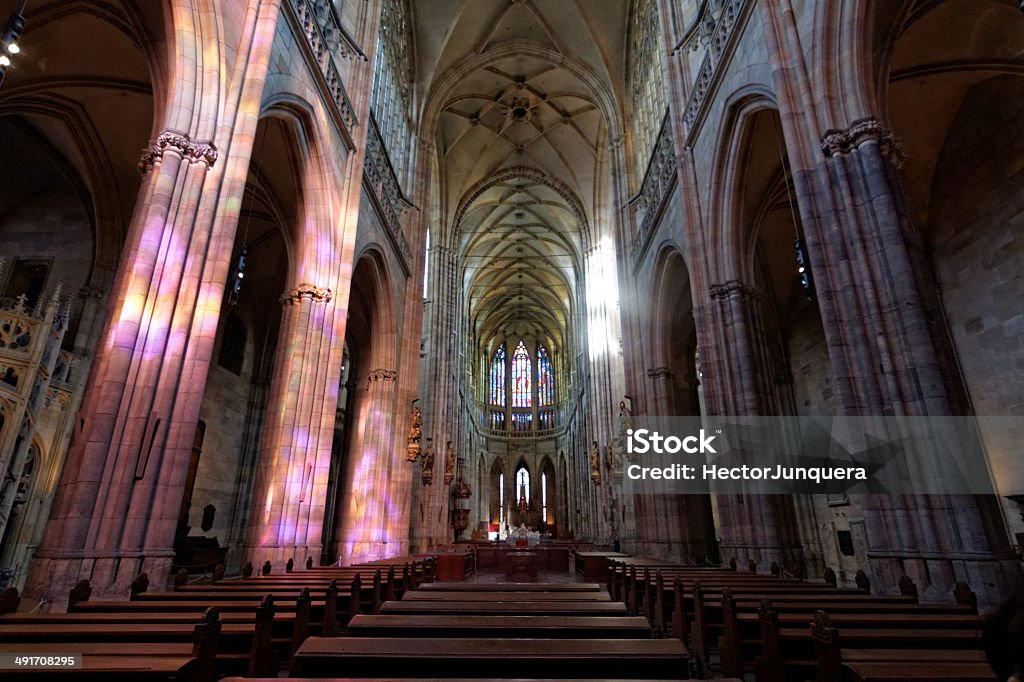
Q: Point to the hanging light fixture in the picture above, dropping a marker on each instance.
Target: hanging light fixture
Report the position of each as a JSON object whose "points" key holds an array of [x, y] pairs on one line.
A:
{"points": [[9, 45], [236, 287]]}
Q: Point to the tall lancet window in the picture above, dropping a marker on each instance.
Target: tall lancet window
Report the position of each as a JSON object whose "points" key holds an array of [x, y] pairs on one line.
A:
{"points": [[646, 81], [545, 378], [391, 98], [498, 377], [522, 370]]}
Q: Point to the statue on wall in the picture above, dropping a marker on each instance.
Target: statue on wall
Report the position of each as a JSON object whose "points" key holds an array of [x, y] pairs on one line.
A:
{"points": [[449, 464], [625, 426], [427, 475], [412, 452], [595, 464]]}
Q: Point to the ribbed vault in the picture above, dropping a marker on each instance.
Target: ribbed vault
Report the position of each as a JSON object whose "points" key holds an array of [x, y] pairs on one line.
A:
{"points": [[521, 110]]}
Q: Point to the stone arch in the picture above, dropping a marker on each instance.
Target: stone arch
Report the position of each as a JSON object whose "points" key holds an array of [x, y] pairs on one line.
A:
{"points": [[729, 245], [672, 306]]}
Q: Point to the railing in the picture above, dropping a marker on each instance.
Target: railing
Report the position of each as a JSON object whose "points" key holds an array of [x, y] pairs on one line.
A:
{"points": [[327, 42], [386, 190], [518, 435], [18, 324], [718, 33], [659, 179]]}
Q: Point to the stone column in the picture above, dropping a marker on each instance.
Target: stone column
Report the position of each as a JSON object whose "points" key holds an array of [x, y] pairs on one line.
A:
{"points": [[294, 459], [888, 359], [371, 463], [118, 498], [738, 375]]}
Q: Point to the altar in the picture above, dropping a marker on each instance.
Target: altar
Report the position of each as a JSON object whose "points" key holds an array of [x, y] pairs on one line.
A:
{"points": [[521, 567]]}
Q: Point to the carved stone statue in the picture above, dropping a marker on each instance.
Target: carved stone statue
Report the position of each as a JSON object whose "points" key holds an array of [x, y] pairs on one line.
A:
{"points": [[595, 464], [412, 452], [427, 476], [625, 426], [449, 464]]}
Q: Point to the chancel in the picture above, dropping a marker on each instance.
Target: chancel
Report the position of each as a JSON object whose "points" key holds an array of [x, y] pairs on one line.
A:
{"points": [[337, 338]]}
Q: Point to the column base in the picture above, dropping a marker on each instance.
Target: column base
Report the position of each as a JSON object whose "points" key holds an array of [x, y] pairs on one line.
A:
{"points": [[278, 556], [52, 578], [992, 579]]}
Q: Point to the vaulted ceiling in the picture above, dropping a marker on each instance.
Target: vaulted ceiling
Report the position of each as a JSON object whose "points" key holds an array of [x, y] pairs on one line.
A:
{"points": [[521, 104]]}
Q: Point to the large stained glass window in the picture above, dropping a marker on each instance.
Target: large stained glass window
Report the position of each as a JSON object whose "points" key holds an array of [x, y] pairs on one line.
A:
{"points": [[521, 372], [498, 377], [646, 81], [545, 378], [391, 97]]}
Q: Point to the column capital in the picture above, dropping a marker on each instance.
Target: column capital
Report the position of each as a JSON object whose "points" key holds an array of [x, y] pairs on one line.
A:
{"points": [[88, 292], [863, 131], [382, 375], [311, 291], [734, 289], [190, 150], [660, 373]]}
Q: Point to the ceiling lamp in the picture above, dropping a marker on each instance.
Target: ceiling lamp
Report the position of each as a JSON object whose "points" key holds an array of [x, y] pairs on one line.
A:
{"points": [[9, 42]]}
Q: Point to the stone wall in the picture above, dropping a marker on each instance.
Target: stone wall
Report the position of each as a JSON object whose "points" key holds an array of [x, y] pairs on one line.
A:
{"points": [[977, 232]]}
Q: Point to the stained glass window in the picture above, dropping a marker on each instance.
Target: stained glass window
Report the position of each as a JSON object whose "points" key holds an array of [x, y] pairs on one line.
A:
{"points": [[498, 377], [391, 97], [521, 372], [646, 81], [545, 378]]}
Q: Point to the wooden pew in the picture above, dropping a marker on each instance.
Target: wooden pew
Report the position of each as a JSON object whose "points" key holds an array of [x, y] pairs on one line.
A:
{"points": [[496, 596], [836, 663], [247, 643], [510, 587], [791, 651], [470, 626], [479, 658], [740, 638], [153, 658], [540, 608]]}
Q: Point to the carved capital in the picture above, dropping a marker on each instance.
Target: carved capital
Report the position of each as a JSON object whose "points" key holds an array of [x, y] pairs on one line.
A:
{"points": [[734, 290], [88, 292], [838, 142], [190, 150], [312, 292], [660, 373], [382, 375]]}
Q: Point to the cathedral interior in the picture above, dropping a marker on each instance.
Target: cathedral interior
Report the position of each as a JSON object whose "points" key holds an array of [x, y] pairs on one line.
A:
{"points": [[350, 283]]}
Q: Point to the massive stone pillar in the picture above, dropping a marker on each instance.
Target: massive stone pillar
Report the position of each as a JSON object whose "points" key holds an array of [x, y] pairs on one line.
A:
{"points": [[739, 381], [372, 463], [887, 355], [295, 450], [118, 498], [887, 359]]}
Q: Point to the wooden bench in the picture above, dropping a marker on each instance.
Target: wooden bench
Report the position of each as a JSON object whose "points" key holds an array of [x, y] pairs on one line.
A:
{"points": [[836, 663], [471, 626], [793, 651], [479, 658], [510, 587], [496, 596], [251, 642], [155, 657], [505, 608], [740, 623]]}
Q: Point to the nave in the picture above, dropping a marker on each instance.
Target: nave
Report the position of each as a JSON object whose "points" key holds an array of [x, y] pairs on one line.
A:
{"points": [[292, 287]]}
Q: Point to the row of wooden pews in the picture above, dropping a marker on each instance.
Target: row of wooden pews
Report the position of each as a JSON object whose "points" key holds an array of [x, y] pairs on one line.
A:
{"points": [[782, 629], [247, 626], [508, 630]]}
